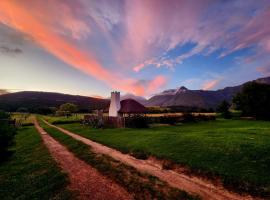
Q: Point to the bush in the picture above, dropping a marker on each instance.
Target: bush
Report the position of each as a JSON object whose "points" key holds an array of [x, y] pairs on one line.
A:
{"points": [[188, 117], [172, 120], [223, 108], [254, 100], [7, 133], [136, 121]]}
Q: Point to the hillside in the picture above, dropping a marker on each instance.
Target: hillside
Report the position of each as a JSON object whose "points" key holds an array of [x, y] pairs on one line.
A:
{"points": [[197, 98], [171, 97], [34, 100]]}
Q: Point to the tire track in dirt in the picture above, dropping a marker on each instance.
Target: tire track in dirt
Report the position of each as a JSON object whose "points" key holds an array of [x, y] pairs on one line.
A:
{"points": [[84, 179], [191, 184]]}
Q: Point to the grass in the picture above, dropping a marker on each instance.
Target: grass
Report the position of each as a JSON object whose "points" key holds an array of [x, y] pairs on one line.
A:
{"points": [[142, 186], [236, 151], [31, 173], [25, 119], [64, 120]]}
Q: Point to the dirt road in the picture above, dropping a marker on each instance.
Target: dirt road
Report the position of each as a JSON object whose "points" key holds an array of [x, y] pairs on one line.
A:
{"points": [[84, 179], [191, 184]]}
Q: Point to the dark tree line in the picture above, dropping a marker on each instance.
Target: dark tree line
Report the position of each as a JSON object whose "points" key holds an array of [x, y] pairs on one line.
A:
{"points": [[7, 133], [254, 100]]}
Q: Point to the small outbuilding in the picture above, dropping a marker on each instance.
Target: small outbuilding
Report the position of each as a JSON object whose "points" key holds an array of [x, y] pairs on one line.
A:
{"points": [[130, 106], [127, 106]]}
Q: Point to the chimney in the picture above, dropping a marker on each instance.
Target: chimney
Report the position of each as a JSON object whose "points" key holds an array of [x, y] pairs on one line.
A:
{"points": [[115, 104]]}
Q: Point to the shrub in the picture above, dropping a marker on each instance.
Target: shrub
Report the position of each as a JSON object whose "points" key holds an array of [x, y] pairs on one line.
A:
{"points": [[7, 133], [172, 120], [223, 108], [136, 121], [188, 117], [254, 100]]}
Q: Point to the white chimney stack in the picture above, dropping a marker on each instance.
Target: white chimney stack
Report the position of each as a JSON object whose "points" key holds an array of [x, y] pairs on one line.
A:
{"points": [[115, 104]]}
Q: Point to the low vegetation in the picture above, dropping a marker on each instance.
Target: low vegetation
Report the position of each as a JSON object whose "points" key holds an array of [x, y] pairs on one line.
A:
{"points": [[75, 118], [7, 134], [142, 186], [234, 151], [254, 100], [31, 173], [22, 119], [223, 109]]}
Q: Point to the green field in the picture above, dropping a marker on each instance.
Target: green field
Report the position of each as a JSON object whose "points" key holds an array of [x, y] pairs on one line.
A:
{"points": [[23, 118], [31, 173], [237, 151], [140, 185], [63, 119]]}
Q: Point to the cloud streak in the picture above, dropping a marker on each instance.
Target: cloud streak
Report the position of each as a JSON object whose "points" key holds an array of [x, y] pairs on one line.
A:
{"points": [[18, 17], [208, 85]]}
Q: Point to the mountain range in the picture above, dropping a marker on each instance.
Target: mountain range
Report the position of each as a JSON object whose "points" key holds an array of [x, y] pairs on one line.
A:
{"points": [[197, 98], [172, 97]]}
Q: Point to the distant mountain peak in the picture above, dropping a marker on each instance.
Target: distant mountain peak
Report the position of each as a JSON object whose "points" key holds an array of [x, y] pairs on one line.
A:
{"points": [[197, 98], [181, 89]]}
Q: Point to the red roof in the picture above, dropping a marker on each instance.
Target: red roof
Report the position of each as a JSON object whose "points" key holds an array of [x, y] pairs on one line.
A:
{"points": [[131, 106]]}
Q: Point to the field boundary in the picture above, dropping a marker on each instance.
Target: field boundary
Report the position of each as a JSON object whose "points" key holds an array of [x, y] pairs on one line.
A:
{"points": [[193, 185], [84, 179]]}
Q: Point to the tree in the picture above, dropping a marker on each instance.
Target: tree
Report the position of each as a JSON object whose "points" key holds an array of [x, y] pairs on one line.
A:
{"points": [[223, 108], [7, 133], [254, 100], [68, 108]]}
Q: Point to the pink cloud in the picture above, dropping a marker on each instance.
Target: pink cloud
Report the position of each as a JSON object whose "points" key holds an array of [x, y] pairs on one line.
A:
{"points": [[155, 27], [156, 84], [265, 70], [40, 29], [208, 85]]}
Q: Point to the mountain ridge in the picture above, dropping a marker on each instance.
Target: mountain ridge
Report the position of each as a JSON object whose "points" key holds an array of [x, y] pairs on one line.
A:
{"points": [[180, 96], [197, 98]]}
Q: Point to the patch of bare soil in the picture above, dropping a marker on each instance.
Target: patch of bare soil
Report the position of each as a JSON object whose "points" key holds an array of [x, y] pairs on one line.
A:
{"points": [[178, 179], [85, 180]]}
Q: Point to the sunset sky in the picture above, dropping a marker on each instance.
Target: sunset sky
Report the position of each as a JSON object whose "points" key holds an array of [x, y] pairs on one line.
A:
{"points": [[90, 47]]}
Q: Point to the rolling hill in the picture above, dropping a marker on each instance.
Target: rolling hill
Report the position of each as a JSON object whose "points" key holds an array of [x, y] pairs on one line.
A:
{"points": [[181, 96], [35, 100]]}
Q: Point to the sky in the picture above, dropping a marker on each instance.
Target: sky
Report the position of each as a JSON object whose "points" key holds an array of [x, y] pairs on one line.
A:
{"points": [[92, 47]]}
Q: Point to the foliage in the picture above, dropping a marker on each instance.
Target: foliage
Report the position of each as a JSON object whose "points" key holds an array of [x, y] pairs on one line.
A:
{"points": [[69, 107], [237, 151], [32, 173], [158, 109], [173, 119], [254, 100], [22, 110], [223, 108], [188, 117], [136, 121], [43, 110], [7, 134]]}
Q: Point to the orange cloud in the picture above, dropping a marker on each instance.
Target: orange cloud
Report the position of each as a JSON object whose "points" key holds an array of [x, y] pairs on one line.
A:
{"points": [[18, 17], [156, 83], [210, 84]]}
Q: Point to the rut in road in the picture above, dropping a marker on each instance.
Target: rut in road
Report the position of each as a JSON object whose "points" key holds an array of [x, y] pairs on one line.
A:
{"points": [[194, 185], [84, 179]]}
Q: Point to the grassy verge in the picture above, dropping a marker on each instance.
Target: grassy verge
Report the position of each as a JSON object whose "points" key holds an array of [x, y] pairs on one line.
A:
{"points": [[75, 118], [142, 186], [235, 151], [24, 119], [31, 173]]}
